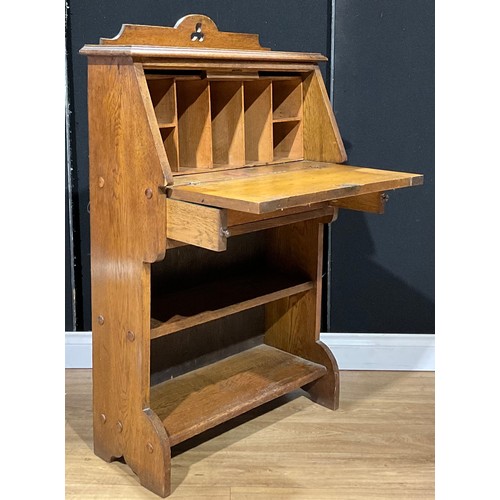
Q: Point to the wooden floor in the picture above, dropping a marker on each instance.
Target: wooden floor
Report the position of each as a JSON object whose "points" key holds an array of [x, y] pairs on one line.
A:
{"points": [[378, 445]]}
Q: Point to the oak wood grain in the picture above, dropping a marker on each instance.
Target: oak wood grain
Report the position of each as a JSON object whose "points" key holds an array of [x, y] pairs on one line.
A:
{"points": [[322, 140], [193, 176], [195, 125], [223, 64], [196, 225], [288, 139], [162, 93], [249, 164], [235, 218], [283, 189], [322, 215], [228, 135], [125, 172], [243, 223], [204, 398], [258, 123], [287, 98], [206, 34], [223, 297], [147, 105], [141, 52], [372, 202], [261, 287], [293, 323]]}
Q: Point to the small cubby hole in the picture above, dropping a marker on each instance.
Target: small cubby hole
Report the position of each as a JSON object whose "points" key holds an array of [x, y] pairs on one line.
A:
{"points": [[287, 98], [288, 140], [258, 121], [228, 135], [194, 124], [162, 91]]}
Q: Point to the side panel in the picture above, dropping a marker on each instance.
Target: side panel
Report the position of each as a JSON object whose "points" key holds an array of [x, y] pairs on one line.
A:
{"points": [[127, 233], [322, 140]]}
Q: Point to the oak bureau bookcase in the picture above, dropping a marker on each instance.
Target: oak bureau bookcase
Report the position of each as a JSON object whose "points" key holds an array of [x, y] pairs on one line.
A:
{"points": [[214, 165]]}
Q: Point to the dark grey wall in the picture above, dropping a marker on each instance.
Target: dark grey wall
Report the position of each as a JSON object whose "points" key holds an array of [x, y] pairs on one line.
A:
{"points": [[383, 265], [296, 25], [68, 309]]}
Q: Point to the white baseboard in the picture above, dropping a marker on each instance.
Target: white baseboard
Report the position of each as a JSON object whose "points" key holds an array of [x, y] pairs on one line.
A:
{"points": [[354, 351], [382, 351], [78, 350]]}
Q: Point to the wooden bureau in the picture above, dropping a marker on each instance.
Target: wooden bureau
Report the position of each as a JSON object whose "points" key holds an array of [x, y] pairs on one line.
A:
{"points": [[214, 165]]}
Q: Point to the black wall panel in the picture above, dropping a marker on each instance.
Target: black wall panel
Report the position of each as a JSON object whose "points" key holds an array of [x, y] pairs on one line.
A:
{"points": [[383, 265]]}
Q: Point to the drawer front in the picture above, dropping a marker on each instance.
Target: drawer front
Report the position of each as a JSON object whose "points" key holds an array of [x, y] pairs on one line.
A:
{"points": [[197, 225]]}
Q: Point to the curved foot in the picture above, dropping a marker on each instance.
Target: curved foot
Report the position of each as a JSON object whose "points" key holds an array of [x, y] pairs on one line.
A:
{"points": [[148, 454], [143, 443], [326, 390]]}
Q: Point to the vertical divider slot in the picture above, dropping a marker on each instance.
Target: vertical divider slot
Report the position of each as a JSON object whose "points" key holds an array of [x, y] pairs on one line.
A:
{"points": [[195, 126], [228, 134], [258, 121]]}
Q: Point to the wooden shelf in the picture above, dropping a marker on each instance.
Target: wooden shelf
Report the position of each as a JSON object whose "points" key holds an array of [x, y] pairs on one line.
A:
{"points": [[166, 125], [287, 119], [178, 310], [204, 398]]}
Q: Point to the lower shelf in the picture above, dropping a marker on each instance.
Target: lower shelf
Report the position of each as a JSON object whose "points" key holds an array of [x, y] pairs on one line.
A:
{"points": [[221, 297], [204, 398]]}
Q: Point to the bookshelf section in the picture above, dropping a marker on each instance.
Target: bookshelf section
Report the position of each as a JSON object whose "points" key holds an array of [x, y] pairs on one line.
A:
{"points": [[203, 398], [215, 298]]}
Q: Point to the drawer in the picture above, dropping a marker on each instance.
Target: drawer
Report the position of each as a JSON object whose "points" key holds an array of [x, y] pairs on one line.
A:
{"points": [[193, 224], [209, 227]]}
